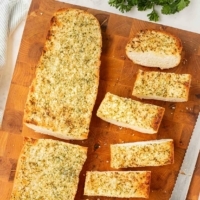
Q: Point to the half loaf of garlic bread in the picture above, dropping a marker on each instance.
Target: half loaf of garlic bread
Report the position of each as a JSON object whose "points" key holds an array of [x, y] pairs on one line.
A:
{"points": [[63, 92]]}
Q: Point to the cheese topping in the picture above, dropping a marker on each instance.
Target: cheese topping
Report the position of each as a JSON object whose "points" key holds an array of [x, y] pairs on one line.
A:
{"points": [[49, 169], [141, 154], [118, 184], [67, 77], [125, 111], [161, 85]]}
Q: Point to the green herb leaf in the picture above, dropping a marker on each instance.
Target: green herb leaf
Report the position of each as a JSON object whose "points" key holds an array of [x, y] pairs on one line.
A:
{"points": [[167, 9], [144, 5], [174, 6], [153, 16], [167, 6], [182, 4], [123, 5]]}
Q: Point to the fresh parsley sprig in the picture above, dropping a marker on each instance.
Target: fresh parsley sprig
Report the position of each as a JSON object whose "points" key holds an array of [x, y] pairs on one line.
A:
{"points": [[167, 6]]}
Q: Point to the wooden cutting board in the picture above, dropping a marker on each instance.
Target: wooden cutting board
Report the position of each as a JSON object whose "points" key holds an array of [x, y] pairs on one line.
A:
{"points": [[117, 75]]}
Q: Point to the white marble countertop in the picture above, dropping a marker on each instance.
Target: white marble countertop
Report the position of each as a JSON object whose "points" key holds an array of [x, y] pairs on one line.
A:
{"points": [[188, 19]]}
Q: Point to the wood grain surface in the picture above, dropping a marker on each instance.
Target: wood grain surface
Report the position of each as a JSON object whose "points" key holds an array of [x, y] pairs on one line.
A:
{"points": [[117, 75]]}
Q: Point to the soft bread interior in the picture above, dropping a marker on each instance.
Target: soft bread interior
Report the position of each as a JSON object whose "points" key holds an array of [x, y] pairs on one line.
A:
{"points": [[160, 98], [46, 131], [136, 128], [154, 59], [140, 143]]}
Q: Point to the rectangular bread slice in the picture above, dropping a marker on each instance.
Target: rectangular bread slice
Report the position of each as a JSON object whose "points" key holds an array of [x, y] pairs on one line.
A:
{"points": [[48, 169], [63, 93], [162, 86], [121, 184], [142, 154], [125, 112]]}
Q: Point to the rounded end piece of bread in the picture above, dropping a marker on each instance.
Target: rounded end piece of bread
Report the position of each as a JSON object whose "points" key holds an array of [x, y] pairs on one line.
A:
{"points": [[154, 48]]}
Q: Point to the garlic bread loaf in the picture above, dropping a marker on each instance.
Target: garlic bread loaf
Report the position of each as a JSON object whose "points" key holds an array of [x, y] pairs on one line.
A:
{"points": [[142, 154], [162, 86], [125, 112], [48, 169], [121, 184], [154, 48], [63, 93]]}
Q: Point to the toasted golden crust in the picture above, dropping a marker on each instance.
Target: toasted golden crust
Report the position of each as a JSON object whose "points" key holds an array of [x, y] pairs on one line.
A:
{"points": [[48, 169], [63, 93], [124, 184], [162, 86], [142, 117], [154, 48], [142, 154]]}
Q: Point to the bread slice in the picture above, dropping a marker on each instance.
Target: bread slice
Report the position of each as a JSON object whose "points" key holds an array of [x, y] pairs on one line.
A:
{"points": [[162, 86], [48, 169], [125, 112], [142, 154], [124, 184], [154, 48], [63, 93]]}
